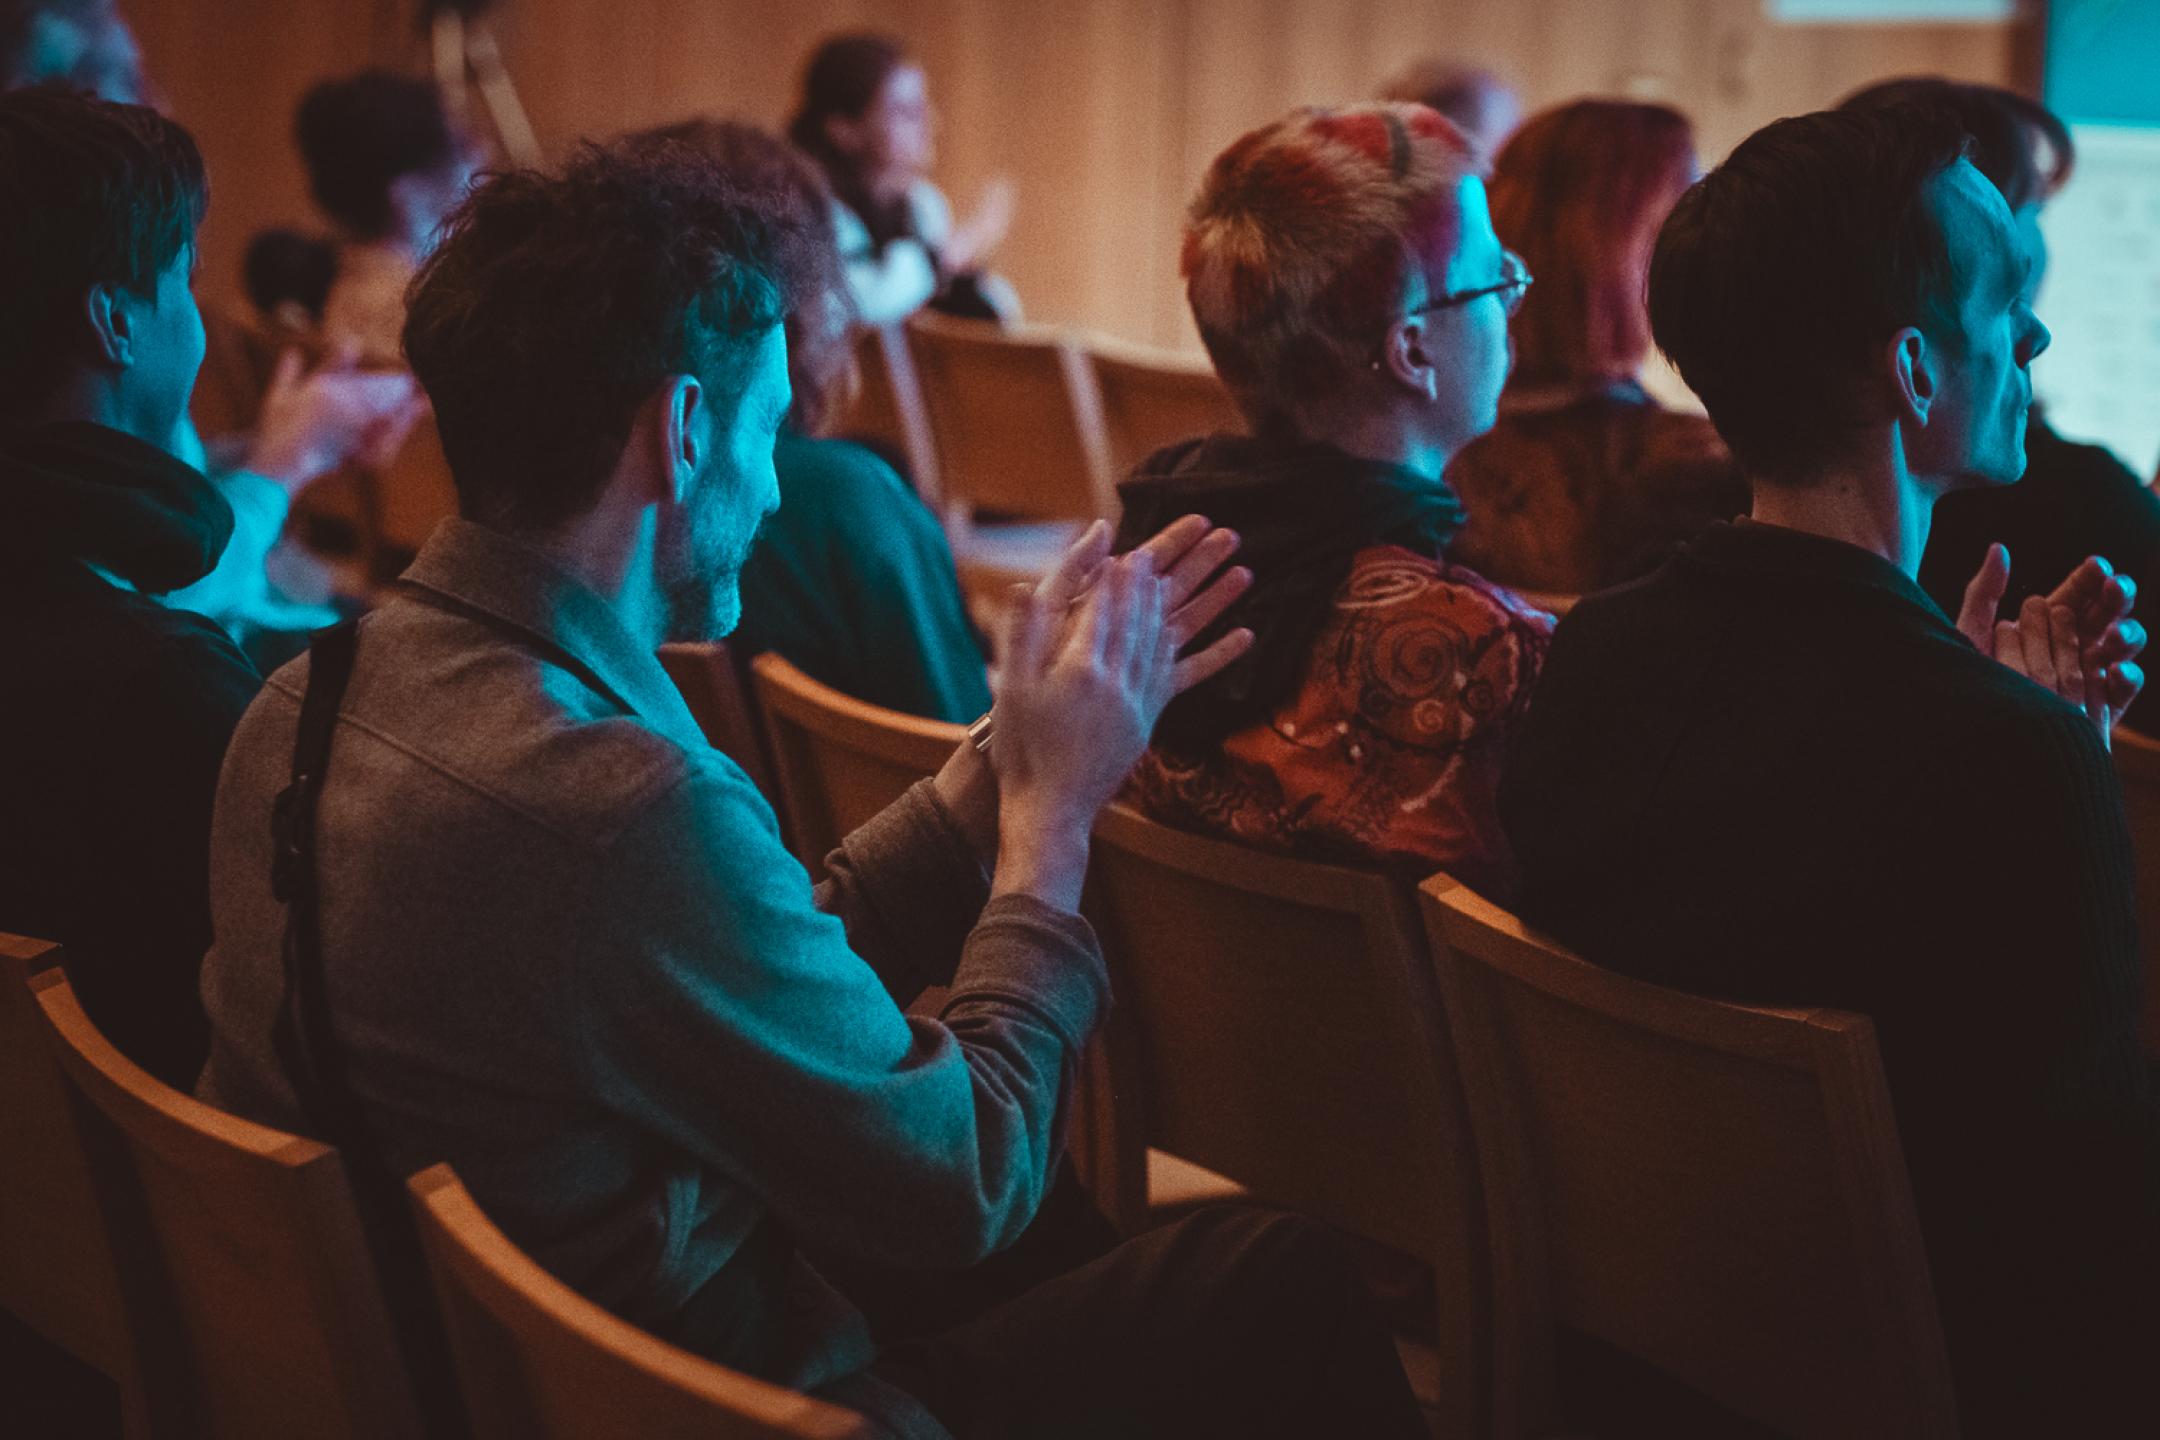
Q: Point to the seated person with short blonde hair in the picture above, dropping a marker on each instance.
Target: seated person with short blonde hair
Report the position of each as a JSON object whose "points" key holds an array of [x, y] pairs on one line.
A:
{"points": [[1347, 281]]}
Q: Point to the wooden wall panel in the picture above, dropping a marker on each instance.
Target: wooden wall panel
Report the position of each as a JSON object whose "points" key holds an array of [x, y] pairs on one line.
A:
{"points": [[1105, 112]]}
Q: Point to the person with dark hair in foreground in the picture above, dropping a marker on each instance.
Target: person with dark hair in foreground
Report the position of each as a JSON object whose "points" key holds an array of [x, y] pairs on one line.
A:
{"points": [[852, 577], [2075, 499], [123, 705], [1774, 771], [565, 951], [387, 165], [1585, 481]]}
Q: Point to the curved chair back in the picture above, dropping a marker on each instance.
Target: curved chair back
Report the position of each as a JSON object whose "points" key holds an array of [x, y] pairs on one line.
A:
{"points": [[538, 1361], [56, 1264], [838, 761], [888, 411], [1151, 400], [1276, 1023], [713, 687], [1715, 1189], [242, 1258], [1017, 419], [2137, 764]]}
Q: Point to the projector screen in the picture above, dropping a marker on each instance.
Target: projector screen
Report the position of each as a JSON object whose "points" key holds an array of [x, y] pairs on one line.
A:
{"points": [[2101, 380]]}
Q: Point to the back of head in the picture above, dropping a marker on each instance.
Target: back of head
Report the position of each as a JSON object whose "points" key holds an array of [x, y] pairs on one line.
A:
{"points": [[83, 44], [2018, 143], [1478, 102], [1579, 193], [559, 303], [842, 79], [360, 134], [797, 203], [1779, 275], [91, 193], [1302, 241]]}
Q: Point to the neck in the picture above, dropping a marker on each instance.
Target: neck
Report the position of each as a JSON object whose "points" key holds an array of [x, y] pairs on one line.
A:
{"points": [[613, 555], [1371, 437], [1885, 508], [97, 400]]}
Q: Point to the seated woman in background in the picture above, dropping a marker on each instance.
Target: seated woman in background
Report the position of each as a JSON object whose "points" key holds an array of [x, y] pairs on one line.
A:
{"points": [[2074, 500], [387, 166], [866, 119], [1354, 298], [1586, 481], [851, 579]]}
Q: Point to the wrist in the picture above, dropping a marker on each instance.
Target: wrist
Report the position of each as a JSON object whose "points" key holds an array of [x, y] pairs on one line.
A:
{"points": [[1042, 852]]}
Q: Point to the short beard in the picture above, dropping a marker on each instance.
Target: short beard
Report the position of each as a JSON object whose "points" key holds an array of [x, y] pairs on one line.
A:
{"points": [[700, 585]]}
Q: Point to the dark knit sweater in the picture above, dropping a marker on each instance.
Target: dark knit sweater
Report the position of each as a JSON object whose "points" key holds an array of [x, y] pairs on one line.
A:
{"points": [[1774, 772]]}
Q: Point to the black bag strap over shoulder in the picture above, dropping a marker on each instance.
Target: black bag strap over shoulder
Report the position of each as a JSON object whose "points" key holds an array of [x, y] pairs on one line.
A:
{"points": [[314, 1062]]}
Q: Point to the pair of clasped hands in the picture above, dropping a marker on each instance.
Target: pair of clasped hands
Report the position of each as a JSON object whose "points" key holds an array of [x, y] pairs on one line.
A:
{"points": [[1091, 655], [2077, 641]]}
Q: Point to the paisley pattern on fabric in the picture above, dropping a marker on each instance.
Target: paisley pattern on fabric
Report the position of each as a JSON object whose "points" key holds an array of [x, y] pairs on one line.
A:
{"points": [[1391, 748]]}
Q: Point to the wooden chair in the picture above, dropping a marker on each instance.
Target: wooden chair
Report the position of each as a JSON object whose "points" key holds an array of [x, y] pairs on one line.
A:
{"points": [[1150, 400], [57, 1274], [1715, 1189], [2137, 764], [1277, 1023], [537, 1361], [713, 686], [838, 761], [241, 1254], [1552, 602], [888, 410], [1017, 419]]}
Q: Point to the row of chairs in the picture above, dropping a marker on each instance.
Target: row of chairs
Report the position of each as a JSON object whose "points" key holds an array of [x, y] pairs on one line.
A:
{"points": [[1715, 1189]]}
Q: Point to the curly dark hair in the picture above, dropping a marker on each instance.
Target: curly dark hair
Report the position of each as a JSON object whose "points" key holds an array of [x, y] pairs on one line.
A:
{"points": [[357, 135], [1778, 273], [91, 193], [558, 303], [798, 205]]}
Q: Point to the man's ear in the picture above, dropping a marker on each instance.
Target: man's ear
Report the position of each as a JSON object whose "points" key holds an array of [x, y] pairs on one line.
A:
{"points": [[111, 317], [1912, 374], [685, 433], [1406, 356]]}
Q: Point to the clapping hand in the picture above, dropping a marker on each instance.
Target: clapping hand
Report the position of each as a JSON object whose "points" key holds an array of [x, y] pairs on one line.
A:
{"points": [[314, 421], [2078, 640]]}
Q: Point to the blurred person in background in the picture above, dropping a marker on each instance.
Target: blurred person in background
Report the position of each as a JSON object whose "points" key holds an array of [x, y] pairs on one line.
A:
{"points": [[1586, 481], [1353, 296], [866, 118], [852, 578], [81, 44], [387, 166], [2075, 500], [1482, 105]]}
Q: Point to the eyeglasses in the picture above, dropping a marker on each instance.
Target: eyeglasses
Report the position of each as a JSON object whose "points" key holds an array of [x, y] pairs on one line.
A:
{"points": [[1513, 283]]}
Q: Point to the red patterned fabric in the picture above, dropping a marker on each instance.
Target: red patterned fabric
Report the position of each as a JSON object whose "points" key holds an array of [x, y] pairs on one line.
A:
{"points": [[1391, 748]]}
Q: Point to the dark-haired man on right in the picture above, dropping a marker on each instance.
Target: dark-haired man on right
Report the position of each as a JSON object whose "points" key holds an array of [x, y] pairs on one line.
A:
{"points": [[1774, 771]]}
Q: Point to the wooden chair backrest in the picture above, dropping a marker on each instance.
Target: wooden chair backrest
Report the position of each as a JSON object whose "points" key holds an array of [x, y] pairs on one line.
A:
{"points": [[1151, 400], [838, 761], [538, 1361], [714, 688], [2137, 764], [1553, 602], [1017, 419], [56, 1264], [1276, 1022], [241, 1249], [888, 409], [1716, 1189]]}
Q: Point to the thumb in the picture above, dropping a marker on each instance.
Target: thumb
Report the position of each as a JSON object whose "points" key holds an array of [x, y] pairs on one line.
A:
{"points": [[1983, 597]]}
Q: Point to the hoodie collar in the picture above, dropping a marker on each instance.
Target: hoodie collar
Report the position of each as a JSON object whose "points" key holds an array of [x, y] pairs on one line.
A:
{"points": [[88, 493]]}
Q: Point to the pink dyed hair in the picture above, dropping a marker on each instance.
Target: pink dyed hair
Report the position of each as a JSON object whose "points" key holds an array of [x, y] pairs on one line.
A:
{"points": [[1300, 246]]}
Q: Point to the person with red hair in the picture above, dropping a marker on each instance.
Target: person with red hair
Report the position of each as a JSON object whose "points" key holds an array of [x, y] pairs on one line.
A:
{"points": [[1353, 296], [1586, 481]]}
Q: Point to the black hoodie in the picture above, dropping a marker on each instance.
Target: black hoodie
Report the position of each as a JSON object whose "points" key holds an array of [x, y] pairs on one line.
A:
{"points": [[1303, 510], [115, 719]]}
